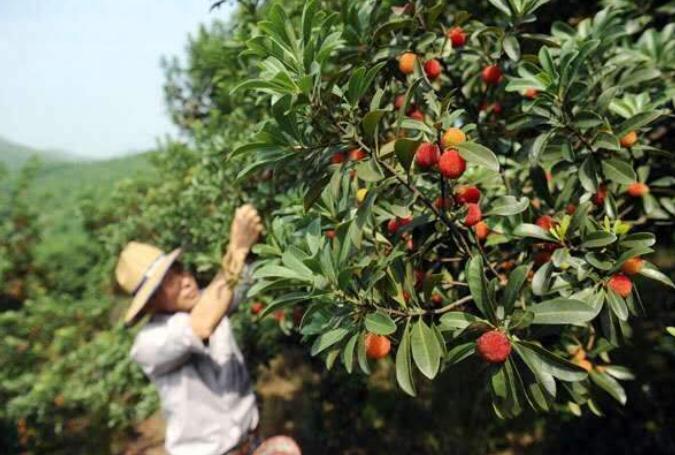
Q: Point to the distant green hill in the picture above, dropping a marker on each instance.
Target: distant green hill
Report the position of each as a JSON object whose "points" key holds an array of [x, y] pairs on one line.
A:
{"points": [[63, 179], [14, 155], [59, 185]]}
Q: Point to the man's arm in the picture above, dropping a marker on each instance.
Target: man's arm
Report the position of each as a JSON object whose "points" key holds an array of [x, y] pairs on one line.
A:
{"points": [[217, 298]]}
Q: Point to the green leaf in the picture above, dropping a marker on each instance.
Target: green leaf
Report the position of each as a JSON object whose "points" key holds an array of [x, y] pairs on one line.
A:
{"points": [[277, 271], [502, 6], [405, 152], [652, 272], [619, 171], [588, 175], [534, 363], [498, 381], [587, 119], [308, 13], [404, 375], [606, 141], [538, 145], [478, 287], [478, 154], [328, 339], [371, 120], [619, 372], [541, 279], [579, 216], [598, 239], [516, 280], [380, 323], [348, 353], [609, 385], [520, 319], [457, 320], [511, 47], [361, 353], [562, 311], [532, 230], [425, 349], [546, 61], [368, 171], [637, 121], [553, 364], [461, 352], [638, 239], [617, 305], [508, 205], [292, 258]]}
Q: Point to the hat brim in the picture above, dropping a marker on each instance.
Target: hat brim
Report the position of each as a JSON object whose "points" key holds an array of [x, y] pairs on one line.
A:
{"points": [[150, 286]]}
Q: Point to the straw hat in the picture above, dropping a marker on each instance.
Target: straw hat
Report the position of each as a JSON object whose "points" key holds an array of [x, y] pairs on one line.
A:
{"points": [[139, 271]]}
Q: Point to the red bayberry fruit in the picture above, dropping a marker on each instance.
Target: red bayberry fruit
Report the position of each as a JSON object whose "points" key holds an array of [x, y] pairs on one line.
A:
{"points": [[433, 68], [406, 296], [457, 36], [406, 63], [637, 189], [531, 93], [629, 139], [492, 74], [426, 155], [420, 276], [467, 194], [337, 158], [497, 108], [451, 164], [570, 209], [441, 203], [436, 298], [620, 284], [398, 101], [481, 230], [453, 137], [377, 346], [473, 214], [403, 221], [632, 266], [257, 307], [600, 195], [279, 315], [416, 114], [542, 257], [545, 222], [357, 155], [493, 346], [392, 226], [330, 233]]}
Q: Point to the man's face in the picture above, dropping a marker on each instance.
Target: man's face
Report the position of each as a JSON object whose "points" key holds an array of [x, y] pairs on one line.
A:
{"points": [[178, 291]]}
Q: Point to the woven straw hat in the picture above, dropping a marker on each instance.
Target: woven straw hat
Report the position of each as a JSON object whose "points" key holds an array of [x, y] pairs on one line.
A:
{"points": [[139, 271]]}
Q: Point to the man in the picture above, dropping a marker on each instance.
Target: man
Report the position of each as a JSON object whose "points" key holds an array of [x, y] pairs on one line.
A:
{"points": [[187, 348]]}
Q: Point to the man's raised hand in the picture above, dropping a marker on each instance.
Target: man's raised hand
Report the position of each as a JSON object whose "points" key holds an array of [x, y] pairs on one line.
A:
{"points": [[246, 228]]}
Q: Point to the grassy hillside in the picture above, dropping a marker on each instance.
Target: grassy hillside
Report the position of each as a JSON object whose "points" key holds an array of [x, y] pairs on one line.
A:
{"points": [[59, 185], [13, 155]]}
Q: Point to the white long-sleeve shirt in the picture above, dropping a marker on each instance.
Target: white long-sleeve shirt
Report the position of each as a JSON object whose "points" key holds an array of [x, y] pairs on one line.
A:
{"points": [[204, 388]]}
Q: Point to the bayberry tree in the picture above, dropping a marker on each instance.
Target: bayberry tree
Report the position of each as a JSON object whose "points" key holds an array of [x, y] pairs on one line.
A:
{"points": [[465, 185]]}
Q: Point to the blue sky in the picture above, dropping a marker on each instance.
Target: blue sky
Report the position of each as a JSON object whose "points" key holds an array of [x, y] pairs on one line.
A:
{"points": [[84, 76]]}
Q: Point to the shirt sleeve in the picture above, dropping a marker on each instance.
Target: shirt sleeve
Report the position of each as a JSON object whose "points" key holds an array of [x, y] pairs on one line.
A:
{"points": [[161, 347], [239, 294]]}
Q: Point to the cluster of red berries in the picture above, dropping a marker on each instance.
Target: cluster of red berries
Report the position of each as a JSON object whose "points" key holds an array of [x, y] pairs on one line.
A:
{"points": [[354, 155], [491, 74]]}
